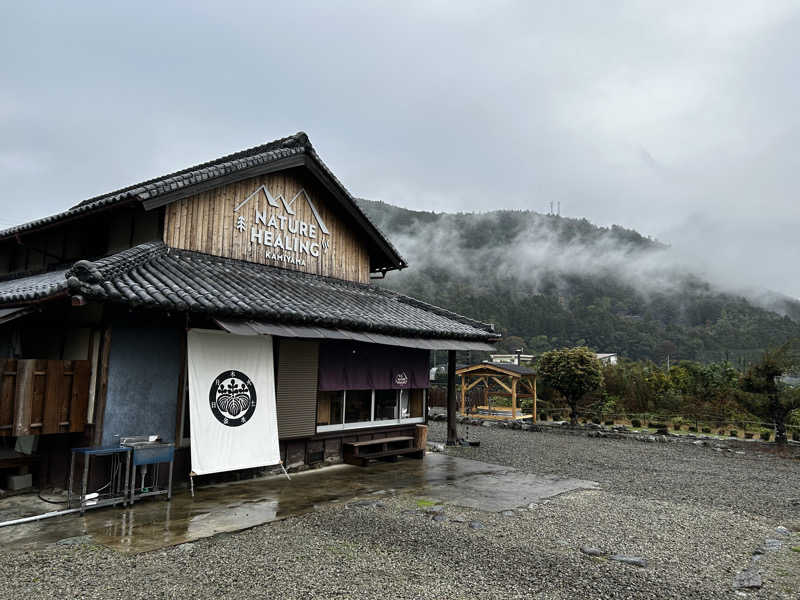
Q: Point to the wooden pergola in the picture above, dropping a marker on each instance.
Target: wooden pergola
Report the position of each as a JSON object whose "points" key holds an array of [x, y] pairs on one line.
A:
{"points": [[499, 379]]}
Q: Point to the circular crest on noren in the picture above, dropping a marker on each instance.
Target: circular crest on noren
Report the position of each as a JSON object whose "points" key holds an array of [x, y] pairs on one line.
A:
{"points": [[232, 398]]}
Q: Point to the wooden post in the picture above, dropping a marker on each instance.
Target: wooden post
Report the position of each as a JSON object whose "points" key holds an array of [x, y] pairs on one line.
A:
{"points": [[452, 432], [535, 413], [463, 395], [102, 388], [514, 398]]}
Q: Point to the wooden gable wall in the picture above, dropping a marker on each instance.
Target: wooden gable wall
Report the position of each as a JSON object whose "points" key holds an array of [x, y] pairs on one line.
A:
{"points": [[209, 222]]}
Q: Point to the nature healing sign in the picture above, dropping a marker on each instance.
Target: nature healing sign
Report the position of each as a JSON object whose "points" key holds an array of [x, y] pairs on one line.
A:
{"points": [[285, 220], [285, 236]]}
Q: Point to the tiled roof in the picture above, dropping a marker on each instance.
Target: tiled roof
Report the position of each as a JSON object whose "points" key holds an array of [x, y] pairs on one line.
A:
{"points": [[245, 160], [32, 288], [155, 276]]}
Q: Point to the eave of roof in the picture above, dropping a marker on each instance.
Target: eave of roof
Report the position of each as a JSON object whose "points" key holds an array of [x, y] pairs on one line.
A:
{"points": [[292, 151]]}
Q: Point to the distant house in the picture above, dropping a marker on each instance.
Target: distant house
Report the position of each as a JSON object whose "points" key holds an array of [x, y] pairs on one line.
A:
{"points": [[512, 359], [607, 358], [791, 380]]}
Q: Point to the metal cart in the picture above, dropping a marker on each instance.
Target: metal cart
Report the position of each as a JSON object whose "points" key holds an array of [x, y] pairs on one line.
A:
{"points": [[118, 485]]}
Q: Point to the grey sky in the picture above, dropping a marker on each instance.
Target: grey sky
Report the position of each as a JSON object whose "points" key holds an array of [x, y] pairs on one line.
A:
{"points": [[678, 119]]}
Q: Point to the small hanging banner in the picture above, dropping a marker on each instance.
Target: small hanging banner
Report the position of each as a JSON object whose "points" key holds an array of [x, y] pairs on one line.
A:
{"points": [[231, 401]]}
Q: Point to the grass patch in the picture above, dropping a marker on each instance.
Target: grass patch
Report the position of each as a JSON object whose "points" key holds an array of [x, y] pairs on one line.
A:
{"points": [[425, 503], [796, 549]]}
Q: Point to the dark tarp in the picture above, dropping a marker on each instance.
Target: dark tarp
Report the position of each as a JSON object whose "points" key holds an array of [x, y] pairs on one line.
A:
{"points": [[345, 365]]}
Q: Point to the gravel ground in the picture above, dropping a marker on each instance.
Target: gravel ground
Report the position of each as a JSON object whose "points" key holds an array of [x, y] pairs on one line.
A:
{"points": [[695, 515], [754, 483]]}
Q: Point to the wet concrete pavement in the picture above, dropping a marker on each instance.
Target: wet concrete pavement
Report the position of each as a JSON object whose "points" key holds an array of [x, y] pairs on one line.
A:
{"points": [[156, 523]]}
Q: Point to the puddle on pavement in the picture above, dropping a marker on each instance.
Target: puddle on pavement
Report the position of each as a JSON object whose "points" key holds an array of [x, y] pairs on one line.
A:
{"points": [[155, 523]]}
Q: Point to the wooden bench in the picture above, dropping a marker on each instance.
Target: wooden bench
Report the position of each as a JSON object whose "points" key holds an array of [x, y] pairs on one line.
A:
{"points": [[389, 448], [10, 459]]}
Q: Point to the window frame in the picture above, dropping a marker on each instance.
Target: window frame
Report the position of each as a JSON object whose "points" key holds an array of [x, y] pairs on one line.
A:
{"points": [[372, 422]]}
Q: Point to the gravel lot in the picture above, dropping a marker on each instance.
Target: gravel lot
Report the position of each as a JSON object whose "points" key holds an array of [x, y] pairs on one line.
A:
{"points": [[694, 514], [754, 483]]}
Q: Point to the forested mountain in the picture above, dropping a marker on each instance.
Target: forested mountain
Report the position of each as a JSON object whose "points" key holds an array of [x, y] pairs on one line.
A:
{"points": [[548, 281]]}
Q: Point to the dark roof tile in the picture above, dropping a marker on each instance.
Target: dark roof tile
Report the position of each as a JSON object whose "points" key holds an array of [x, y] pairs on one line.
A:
{"points": [[155, 276], [33, 287]]}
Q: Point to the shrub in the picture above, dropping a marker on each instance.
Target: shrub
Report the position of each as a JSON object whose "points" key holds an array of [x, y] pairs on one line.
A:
{"points": [[706, 430], [796, 436], [636, 423], [609, 423], [766, 435], [676, 426], [721, 432], [734, 433], [693, 429], [596, 421], [748, 435]]}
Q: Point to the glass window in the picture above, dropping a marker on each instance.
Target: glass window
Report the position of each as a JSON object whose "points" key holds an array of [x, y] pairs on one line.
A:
{"points": [[404, 412], [358, 406], [416, 403], [385, 405], [329, 408]]}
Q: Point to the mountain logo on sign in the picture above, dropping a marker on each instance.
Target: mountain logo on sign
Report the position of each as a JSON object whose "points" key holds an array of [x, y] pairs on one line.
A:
{"points": [[288, 205], [232, 398], [401, 378]]}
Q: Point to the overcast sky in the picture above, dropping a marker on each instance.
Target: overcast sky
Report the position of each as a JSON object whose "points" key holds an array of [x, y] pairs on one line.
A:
{"points": [[677, 119]]}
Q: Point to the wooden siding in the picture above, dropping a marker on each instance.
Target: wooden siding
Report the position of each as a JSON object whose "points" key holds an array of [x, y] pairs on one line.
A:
{"points": [[43, 396], [207, 223], [296, 395], [87, 238]]}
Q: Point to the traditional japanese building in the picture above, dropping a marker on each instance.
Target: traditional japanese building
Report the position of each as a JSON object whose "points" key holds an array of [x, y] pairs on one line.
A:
{"points": [[264, 248]]}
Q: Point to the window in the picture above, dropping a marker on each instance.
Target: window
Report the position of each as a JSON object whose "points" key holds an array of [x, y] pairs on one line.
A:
{"points": [[330, 407], [352, 409], [416, 403], [358, 406], [386, 405]]}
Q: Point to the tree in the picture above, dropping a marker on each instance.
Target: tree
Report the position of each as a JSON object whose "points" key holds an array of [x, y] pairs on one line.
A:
{"points": [[768, 397], [572, 372]]}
